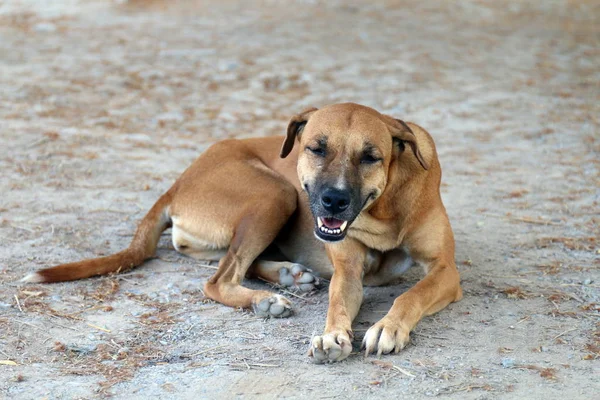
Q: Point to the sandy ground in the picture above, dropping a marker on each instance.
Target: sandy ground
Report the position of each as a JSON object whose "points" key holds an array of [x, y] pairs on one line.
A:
{"points": [[103, 104]]}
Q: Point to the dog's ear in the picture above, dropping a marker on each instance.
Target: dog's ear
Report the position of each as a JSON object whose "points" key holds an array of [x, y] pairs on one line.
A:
{"points": [[294, 129], [404, 134]]}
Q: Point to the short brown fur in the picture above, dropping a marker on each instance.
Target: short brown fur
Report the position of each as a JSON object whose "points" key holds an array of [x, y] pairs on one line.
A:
{"points": [[239, 198]]}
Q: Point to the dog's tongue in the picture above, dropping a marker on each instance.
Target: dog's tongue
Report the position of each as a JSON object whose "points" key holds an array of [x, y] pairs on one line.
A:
{"points": [[332, 223]]}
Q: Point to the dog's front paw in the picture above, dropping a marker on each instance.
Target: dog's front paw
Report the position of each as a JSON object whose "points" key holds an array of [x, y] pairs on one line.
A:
{"points": [[330, 347], [275, 306], [385, 336], [298, 276]]}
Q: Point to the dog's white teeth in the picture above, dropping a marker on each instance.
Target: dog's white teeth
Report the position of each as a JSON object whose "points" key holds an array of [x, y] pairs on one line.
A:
{"points": [[335, 231], [343, 226], [320, 222]]}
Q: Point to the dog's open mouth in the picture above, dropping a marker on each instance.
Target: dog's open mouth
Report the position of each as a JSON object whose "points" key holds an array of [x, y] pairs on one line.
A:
{"points": [[331, 229]]}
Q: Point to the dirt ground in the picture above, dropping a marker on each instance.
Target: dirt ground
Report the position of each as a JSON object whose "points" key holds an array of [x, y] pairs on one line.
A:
{"points": [[103, 104]]}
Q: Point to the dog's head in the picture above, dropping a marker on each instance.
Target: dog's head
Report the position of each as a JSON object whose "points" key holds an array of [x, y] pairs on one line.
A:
{"points": [[344, 159]]}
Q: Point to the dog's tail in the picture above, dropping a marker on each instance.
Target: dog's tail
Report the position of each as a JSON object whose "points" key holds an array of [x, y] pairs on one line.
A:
{"points": [[141, 248]]}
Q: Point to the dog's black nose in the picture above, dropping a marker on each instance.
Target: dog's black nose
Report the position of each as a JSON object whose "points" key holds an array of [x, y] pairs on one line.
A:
{"points": [[335, 201]]}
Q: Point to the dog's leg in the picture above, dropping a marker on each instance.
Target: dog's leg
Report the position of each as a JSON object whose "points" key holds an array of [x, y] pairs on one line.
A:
{"points": [[345, 298], [254, 232], [431, 245], [284, 273]]}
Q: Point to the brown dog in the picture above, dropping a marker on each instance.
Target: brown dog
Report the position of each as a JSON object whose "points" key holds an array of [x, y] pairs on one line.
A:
{"points": [[356, 200]]}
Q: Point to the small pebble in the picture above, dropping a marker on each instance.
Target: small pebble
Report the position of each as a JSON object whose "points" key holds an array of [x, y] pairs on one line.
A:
{"points": [[508, 362]]}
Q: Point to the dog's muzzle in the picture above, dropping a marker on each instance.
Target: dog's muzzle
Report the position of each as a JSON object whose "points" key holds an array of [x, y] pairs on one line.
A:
{"points": [[331, 229], [333, 212]]}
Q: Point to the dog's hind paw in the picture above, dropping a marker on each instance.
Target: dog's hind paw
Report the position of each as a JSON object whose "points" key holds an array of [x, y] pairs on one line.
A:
{"points": [[298, 276], [275, 306]]}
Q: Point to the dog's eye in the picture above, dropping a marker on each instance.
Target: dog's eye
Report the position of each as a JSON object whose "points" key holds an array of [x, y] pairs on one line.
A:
{"points": [[318, 151], [369, 159]]}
